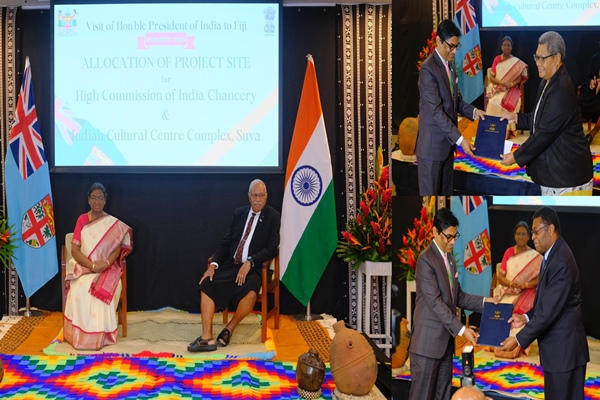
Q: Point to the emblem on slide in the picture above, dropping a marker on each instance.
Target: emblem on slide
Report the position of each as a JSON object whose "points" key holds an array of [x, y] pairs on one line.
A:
{"points": [[269, 18], [38, 224], [67, 22], [306, 185]]}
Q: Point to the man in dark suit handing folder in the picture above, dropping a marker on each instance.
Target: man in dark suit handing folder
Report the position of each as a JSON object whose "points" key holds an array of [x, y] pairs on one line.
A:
{"points": [[439, 105], [555, 319]]}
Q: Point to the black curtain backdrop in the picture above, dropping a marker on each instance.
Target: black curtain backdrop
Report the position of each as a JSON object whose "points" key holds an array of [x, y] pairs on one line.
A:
{"points": [[415, 26], [579, 229], [412, 27], [178, 219]]}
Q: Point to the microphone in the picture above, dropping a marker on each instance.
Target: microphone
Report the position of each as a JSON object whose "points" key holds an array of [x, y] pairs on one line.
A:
{"points": [[468, 376]]}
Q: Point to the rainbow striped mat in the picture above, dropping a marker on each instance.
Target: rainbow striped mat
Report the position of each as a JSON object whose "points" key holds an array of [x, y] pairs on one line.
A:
{"points": [[174, 378], [513, 378], [466, 163]]}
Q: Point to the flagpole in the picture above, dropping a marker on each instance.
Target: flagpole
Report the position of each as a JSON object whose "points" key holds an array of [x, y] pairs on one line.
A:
{"points": [[28, 312], [308, 316]]}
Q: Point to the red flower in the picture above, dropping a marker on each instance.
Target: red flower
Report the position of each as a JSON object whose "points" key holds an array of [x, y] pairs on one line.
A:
{"points": [[376, 229], [350, 238], [424, 215], [385, 176], [5, 236], [371, 195], [364, 208]]}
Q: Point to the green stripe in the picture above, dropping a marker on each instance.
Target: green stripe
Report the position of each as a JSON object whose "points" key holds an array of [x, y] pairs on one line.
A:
{"points": [[314, 250]]}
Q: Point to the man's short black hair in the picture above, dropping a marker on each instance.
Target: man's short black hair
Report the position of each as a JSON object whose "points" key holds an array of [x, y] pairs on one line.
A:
{"points": [[549, 217], [446, 29], [443, 219]]}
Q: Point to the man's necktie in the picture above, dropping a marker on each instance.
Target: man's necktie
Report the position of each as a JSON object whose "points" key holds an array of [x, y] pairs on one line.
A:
{"points": [[447, 264], [543, 265], [240, 249], [449, 72]]}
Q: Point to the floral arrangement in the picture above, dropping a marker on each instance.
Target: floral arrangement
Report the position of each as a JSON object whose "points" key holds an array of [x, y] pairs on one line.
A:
{"points": [[368, 235], [7, 247], [415, 241], [426, 50]]}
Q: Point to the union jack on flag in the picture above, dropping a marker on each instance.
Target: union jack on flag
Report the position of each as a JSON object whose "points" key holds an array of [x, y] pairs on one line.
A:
{"points": [[465, 13], [470, 203], [25, 141]]}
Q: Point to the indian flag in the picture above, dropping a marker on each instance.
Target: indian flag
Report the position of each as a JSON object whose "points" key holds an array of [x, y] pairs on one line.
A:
{"points": [[308, 222]]}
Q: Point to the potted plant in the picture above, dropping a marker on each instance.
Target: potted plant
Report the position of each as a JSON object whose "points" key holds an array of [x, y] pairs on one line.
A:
{"points": [[426, 51], [416, 240], [367, 236]]}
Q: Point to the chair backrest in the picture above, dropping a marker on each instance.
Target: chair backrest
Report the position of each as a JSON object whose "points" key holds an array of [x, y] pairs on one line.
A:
{"points": [[68, 240]]}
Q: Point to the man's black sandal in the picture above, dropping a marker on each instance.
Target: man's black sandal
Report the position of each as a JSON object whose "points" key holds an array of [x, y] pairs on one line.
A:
{"points": [[200, 344], [224, 337]]}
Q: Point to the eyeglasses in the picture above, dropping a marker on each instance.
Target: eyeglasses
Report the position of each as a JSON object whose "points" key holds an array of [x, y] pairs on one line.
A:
{"points": [[97, 198], [450, 237], [542, 59], [535, 232], [453, 46], [257, 195]]}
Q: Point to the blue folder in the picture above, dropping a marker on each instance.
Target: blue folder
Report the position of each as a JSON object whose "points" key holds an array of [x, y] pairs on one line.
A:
{"points": [[494, 328], [489, 141]]}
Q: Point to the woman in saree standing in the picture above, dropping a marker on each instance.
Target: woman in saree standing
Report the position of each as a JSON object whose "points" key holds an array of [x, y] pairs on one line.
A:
{"points": [[100, 242], [518, 276], [507, 76]]}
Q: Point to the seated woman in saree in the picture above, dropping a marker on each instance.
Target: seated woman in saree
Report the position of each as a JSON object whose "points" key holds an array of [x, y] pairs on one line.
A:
{"points": [[507, 76], [100, 242], [518, 278]]}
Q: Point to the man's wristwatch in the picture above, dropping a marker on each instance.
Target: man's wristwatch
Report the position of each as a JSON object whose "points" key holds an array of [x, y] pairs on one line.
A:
{"points": [[251, 261]]}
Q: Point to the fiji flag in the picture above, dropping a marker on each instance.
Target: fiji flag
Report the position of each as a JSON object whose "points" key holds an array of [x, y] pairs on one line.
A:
{"points": [[469, 64], [28, 195], [472, 250]]}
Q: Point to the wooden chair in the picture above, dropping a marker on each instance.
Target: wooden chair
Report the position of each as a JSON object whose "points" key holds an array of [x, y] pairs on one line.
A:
{"points": [[270, 284], [121, 307]]}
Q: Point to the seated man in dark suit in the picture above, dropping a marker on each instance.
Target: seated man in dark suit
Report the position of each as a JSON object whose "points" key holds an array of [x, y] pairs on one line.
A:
{"points": [[234, 278]]}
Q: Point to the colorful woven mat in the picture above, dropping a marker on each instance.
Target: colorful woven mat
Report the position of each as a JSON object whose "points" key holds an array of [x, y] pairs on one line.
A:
{"points": [[134, 378], [513, 378], [466, 163]]}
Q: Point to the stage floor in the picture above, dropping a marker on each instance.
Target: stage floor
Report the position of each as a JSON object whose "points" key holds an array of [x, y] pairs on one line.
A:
{"points": [[478, 176], [29, 372], [501, 378]]}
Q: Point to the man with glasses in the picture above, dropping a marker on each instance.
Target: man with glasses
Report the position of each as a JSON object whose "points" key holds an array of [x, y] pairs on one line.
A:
{"points": [[435, 323], [439, 105], [233, 278], [555, 319], [557, 154]]}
